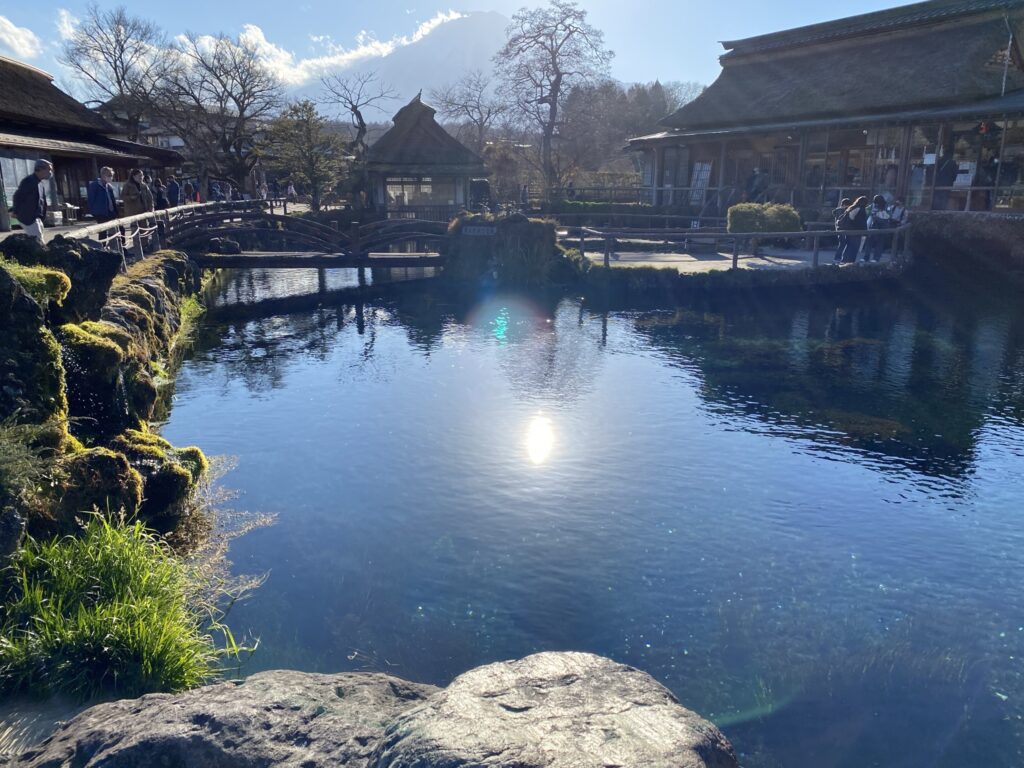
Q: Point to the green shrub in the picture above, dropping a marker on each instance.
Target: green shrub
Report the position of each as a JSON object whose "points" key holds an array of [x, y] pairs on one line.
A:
{"points": [[108, 613], [782, 218], [763, 217], [746, 217]]}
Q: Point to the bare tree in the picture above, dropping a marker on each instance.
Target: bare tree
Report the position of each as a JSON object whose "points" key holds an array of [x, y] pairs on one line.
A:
{"points": [[354, 94], [681, 92], [470, 101], [548, 51], [118, 58], [216, 95]]}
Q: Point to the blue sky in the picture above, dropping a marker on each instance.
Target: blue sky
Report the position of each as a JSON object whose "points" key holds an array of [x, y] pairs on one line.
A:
{"points": [[666, 39]]}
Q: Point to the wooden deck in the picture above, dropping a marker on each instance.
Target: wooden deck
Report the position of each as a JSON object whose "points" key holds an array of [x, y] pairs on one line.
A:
{"points": [[308, 260]]}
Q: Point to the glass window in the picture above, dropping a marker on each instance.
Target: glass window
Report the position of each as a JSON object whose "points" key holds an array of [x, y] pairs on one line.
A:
{"points": [[1011, 167]]}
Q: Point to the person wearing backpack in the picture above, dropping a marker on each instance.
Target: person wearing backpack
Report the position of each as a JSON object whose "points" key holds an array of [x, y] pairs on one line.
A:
{"points": [[837, 214], [878, 219], [853, 221]]}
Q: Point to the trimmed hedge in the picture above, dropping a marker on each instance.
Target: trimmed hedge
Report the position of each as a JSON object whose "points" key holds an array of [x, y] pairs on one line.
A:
{"points": [[763, 217]]}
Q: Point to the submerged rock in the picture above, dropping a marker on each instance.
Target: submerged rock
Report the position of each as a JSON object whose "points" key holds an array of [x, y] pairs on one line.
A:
{"points": [[554, 710], [272, 718], [550, 710]]}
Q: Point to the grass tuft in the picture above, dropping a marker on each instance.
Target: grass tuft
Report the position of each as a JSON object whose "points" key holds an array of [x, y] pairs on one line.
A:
{"points": [[110, 612]]}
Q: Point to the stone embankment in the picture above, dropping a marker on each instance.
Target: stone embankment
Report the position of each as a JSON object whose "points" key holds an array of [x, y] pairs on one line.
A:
{"points": [[549, 710], [84, 351], [994, 241]]}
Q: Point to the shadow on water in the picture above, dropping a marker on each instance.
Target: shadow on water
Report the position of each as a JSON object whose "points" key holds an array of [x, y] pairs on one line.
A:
{"points": [[837, 586]]}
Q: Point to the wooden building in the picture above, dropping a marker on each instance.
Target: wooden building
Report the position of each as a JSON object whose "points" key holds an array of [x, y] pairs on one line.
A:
{"points": [[418, 169], [923, 102], [38, 120]]}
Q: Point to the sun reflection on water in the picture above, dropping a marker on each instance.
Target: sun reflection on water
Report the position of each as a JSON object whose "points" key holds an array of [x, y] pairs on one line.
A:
{"points": [[540, 439]]}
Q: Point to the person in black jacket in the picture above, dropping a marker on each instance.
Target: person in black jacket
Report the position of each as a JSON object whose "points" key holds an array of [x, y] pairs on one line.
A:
{"points": [[30, 200]]}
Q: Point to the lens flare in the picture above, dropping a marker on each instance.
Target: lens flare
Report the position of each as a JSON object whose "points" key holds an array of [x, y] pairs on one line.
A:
{"points": [[540, 439]]}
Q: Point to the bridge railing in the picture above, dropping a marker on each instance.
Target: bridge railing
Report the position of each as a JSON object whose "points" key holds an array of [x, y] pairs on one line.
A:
{"points": [[739, 243], [135, 234]]}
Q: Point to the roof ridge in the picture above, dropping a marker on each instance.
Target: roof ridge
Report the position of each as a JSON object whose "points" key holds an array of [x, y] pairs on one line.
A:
{"points": [[928, 11]]}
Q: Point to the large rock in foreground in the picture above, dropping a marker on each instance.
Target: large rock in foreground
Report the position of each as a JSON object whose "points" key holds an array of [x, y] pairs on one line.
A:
{"points": [[281, 718], [553, 710], [550, 710]]}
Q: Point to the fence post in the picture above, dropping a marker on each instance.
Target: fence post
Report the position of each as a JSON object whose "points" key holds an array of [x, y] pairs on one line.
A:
{"points": [[735, 252], [607, 252], [817, 247], [155, 237], [583, 242], [285, 204], [137, 241]]}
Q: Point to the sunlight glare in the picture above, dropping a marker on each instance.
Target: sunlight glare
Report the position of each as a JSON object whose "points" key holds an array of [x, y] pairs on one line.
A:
{"points": [[540, 439]]}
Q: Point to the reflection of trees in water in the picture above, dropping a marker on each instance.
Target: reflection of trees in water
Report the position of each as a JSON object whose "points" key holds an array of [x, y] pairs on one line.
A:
{"points": [[889, 376]]}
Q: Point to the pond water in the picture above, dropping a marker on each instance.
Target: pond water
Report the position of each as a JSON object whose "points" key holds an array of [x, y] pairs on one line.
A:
{"points": [[804, 519]]}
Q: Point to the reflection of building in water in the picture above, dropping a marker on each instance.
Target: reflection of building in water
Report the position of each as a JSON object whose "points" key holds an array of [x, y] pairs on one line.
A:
{"points": [[887, 377]]}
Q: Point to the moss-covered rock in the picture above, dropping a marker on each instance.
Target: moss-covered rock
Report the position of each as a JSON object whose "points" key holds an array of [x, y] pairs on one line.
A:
{"points": [[93, 363], [170, 475], [31, 373], [90, 270], [43, 284], [97, 478], [514, 249]]}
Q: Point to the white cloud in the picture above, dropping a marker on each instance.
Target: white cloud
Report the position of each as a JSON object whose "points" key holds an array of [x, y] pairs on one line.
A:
{"points": [[294, 71], [21, 41], [66, 23]]}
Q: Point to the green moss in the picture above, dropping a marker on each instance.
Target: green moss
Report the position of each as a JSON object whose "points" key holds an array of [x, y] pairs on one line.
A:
{"points": [[98, 355], [43, 284], [97, 478], [109, 331], [170, 474], [110, 613]]}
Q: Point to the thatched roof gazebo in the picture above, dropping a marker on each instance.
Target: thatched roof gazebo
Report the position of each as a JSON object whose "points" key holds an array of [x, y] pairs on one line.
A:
{"points": [[418, 169]]}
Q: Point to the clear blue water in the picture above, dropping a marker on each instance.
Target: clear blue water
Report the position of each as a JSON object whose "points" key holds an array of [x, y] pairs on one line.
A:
{"points": [[804, 519]]}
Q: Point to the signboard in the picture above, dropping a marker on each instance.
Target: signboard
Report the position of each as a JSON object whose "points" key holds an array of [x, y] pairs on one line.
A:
{"points": [[965, 174], [478, 231]]}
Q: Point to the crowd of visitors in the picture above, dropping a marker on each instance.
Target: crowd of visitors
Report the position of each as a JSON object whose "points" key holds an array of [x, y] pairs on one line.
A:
{"points": [[857, 218]]}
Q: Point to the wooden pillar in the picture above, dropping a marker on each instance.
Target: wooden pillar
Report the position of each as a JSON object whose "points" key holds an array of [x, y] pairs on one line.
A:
{"points": [[657, 162], [801, 161]]}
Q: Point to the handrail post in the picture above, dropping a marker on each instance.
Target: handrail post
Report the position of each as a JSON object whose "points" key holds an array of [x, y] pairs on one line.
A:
{"points": [[736, 252], [607, 252], [137, 241], [583, 241], [817, 247]]}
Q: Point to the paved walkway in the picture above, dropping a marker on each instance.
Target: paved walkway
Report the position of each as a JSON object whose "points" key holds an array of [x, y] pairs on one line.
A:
{"points": [[687, 263]]}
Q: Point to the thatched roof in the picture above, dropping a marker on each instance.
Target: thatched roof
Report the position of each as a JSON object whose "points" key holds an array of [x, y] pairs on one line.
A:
{"points": [[928, 55], [417, 145], [28, 97]]}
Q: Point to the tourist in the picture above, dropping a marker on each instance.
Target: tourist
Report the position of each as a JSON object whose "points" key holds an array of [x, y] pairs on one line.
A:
{"points": [[570, 191], [878, 220], [898, 213], [160, 195], [853, 220], [837, 214], [101, 197], [136, 195], [190, 192], [173, 191], [30, 200], [291, 192]]}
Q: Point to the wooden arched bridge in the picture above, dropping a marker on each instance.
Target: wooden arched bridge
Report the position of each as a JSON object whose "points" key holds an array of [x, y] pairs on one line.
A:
{"points": [[192, 227]]}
